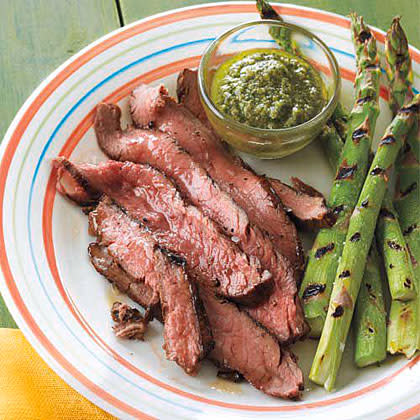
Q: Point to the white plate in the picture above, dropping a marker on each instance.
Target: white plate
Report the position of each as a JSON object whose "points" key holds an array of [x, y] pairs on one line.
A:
{"points": [[62, 304]]}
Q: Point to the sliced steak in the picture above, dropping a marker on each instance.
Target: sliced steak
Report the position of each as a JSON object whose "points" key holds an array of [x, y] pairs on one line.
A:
{"points": [[206, 333], [306, 205], [129, 323], [241, 345], [162, 152], [281, 314], [309, 210], [188, 94], [72, 185], [137, 253], [148, 196], [153, 107], [140, 292]]}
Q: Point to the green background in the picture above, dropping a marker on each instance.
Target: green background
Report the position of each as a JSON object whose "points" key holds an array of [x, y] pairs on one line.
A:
{"points": [[38, 35]]}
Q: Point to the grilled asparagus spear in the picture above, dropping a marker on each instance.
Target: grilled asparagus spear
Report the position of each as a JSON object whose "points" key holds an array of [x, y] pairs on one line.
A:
{"points": [[401, 338], [358, 241], [404, 317], [340, 120], [332, 144], [397, 260], [326, 251], [370, 316], [398, 66], [281, 35], [395, 253], [369, 320]]}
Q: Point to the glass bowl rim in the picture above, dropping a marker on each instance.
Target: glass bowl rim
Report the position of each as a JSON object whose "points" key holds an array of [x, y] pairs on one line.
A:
{"points": [[327, 109]]}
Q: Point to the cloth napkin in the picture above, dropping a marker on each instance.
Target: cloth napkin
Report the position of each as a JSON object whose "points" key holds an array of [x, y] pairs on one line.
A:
{"points": [[30, 390]]}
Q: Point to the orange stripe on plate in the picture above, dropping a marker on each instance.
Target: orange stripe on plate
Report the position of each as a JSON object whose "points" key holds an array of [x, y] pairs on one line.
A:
{"points": [[411, 413]]}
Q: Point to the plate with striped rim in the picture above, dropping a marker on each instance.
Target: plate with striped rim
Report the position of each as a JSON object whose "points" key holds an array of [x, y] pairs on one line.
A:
{"points": [[60, 302]]}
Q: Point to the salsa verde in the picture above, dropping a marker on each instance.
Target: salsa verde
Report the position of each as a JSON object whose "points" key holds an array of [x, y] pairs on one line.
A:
{"points": [[268, 88]]}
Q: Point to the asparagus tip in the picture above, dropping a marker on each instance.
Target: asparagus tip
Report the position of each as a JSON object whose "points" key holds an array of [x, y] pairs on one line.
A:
{"points": [[266, 10]]}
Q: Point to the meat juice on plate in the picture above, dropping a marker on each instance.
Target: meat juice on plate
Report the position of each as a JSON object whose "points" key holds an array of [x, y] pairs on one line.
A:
{"points": [[224, 385]]}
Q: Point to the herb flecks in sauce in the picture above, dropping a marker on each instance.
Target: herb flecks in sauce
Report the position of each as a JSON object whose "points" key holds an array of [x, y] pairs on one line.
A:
{"points": [[268, 88]]}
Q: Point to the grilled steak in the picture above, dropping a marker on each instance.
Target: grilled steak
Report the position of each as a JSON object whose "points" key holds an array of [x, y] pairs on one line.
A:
{"points": [[188, 94], [162, 152], [137, 253], [306, 205], [129, 323], [140, 292], [241, 345], [153, 107], [73, 186], [281, 314], [148, 196]]}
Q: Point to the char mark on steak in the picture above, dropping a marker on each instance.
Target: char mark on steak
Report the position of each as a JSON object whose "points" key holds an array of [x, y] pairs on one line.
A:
{"points": [[148, 196], [243, 346], [250, 191], [281, 313], [206, 333], [129, 323]]}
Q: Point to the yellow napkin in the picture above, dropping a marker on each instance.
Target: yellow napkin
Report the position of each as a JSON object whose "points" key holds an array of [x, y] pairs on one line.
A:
{"points": [[30, 390]]}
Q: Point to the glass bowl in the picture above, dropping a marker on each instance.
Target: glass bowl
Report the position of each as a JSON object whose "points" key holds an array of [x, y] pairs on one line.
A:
{"points": [[268, 143]]}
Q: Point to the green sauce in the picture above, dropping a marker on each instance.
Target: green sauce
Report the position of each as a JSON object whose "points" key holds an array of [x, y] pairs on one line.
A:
{"points": [[268, 88]]}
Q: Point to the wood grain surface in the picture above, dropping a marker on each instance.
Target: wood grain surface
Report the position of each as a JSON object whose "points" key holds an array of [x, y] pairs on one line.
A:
{"points": [[36, 36], [376, 12]]}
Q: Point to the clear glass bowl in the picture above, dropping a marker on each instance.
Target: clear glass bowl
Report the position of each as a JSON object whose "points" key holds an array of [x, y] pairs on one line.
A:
{"points": [[268, 143]]}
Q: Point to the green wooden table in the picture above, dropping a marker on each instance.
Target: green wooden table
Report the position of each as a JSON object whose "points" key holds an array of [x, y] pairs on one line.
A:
{"points": [[38, 35]]}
